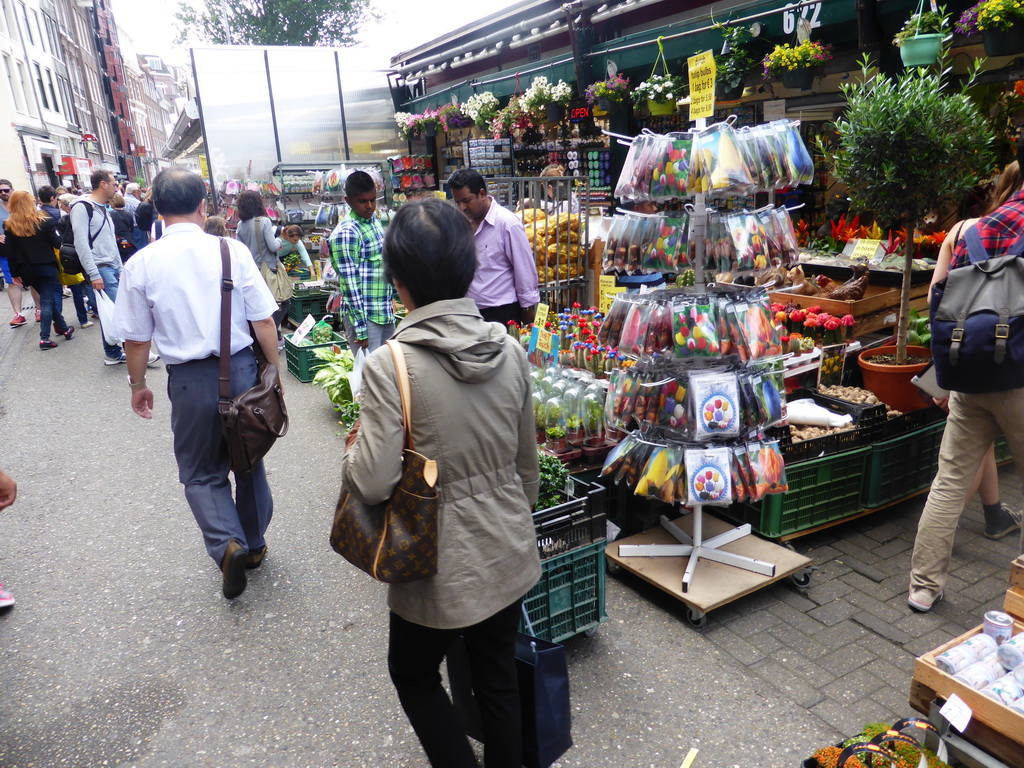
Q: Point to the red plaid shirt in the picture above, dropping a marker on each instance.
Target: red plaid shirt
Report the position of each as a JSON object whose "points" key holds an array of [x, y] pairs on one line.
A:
{"points": [[999, 230]]}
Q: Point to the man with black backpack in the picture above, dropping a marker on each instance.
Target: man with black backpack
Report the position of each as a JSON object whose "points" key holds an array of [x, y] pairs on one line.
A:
{"points": [[977, 316], [92, 233]]}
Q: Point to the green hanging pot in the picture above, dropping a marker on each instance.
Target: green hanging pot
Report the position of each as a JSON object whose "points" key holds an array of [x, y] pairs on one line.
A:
{"points": [[1003, 42], [660, 108], [921, 51]]}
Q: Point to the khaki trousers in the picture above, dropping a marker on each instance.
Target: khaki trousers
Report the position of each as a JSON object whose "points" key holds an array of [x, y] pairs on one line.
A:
{"points": [[974, 421]]}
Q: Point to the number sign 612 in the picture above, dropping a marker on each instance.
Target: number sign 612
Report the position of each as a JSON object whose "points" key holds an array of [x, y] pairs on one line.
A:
{"points": [[809, 12]]}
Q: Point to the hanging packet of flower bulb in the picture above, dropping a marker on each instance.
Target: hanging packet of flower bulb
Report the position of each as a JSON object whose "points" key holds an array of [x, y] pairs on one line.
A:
{"points": [[613, 400], [697, 180], [646, 158], [719, 251], [631, 338], [643, 240], [770, 157], [773, 237], [767, 467], [727, 173], [668, 178], [611, 260], [624, 188], [749, 408], [670, 239], [743, 229], [747, 148], [740, 473], [633, 462], [660, 475], [617, 455], [790, 243], [758, 329], [716, 403], [798, 159], [658, 334], [611, 327], [672, 405], [708, 475]]}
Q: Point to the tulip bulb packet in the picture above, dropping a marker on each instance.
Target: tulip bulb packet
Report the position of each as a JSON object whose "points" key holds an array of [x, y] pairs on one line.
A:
{"points": [[716, 400], [708, 475]]}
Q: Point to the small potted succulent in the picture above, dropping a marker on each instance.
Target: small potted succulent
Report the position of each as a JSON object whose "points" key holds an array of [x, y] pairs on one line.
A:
{"points": [[920, 39], [605, 95], [547, 101], [796, 64], [481, 109], [1001, 23], [734, 63], [660, 93]]}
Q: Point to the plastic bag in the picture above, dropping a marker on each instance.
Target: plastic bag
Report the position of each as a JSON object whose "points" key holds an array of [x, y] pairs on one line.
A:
{"points": [[355, 378], [105, 309], [671, 168], [322, 333]]}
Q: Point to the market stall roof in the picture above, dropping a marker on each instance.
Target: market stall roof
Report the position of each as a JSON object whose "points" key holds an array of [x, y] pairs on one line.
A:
{"points": [[186, 139]]}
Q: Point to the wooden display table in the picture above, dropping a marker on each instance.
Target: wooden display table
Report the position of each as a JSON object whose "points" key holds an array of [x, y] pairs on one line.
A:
{"points": [[879, 308]]}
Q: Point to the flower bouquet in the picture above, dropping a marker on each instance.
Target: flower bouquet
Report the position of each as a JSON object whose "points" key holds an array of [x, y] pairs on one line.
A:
{"points": [[796, 64]]}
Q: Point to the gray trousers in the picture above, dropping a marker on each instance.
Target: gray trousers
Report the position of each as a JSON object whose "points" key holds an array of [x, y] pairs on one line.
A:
{"points": [[376, 335], [202, 456]]}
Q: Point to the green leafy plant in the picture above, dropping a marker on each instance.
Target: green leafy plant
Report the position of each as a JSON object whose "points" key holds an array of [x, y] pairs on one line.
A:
{"points": [[555, 433], [553, 479], [920, 331], [904, 146], [927, 23], [736, 60], [573, 423], [333, 377]]}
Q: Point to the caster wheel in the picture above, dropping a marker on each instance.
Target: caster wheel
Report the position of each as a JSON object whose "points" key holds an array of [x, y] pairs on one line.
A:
{"points": [[590, 632], [801, 580], [612, 567], [695, 618]]}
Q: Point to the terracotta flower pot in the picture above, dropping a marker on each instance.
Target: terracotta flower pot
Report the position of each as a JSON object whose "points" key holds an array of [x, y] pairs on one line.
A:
{"points": [[891, 383]]}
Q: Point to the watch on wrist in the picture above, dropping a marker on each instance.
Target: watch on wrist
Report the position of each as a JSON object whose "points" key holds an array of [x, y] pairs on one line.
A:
{"points": [[136, 384]]}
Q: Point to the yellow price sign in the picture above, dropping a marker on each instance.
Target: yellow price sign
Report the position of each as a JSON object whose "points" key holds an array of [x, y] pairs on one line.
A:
{"points": [[542, 315], [608, 298], [702, 85], [544, 341], [865, 249]]}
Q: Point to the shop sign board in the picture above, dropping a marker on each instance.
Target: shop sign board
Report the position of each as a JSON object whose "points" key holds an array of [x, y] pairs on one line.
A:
{"points": [[702, 85]]}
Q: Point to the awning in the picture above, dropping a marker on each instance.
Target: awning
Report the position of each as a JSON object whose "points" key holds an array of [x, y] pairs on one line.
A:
{"points": [[38, 147]]}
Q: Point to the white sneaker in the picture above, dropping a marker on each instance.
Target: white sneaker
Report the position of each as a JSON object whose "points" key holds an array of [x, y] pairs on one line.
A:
{"points": [[87, 324], [154, 358], [119, 360]]}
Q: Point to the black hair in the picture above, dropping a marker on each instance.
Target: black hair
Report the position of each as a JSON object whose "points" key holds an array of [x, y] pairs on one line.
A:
{"points": [[250, 205], [429, 247], [467, 177], [177, 192], [45, 193], [99, 176], [359, 183]]}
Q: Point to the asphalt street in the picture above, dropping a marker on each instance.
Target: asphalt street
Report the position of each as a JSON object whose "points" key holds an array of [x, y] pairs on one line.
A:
{"points": [[121, 650]]}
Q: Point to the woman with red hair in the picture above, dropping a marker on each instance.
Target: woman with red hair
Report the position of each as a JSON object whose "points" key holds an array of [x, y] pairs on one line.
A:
{"points": [[31, 242]]}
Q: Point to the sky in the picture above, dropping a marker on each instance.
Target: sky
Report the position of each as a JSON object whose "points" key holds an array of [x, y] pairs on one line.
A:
{"points": [[151, 27]]}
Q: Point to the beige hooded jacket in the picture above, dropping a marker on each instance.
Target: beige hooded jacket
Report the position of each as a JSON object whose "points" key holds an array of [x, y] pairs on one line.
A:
{"points": [[473, 414]]}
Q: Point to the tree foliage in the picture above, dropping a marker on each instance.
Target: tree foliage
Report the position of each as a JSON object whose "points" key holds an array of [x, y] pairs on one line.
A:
{"points": [[273, 22], [903, 147]]}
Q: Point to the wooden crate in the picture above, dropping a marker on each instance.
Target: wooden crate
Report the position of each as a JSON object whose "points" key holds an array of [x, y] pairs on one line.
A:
{"points": [[877, 298], [994, 727]]}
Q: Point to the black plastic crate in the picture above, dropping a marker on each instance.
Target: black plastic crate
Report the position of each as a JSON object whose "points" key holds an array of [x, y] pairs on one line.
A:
{"points": [[576, 523], [867, 419], [911, 421], [866, 416]]}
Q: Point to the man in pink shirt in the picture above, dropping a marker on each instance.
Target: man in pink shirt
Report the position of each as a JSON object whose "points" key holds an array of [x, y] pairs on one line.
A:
{"points": [[505, 287]]}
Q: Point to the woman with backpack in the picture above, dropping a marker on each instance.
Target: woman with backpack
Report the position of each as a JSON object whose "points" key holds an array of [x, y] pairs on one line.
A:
{"points": [[31, 242], [256, 231]]}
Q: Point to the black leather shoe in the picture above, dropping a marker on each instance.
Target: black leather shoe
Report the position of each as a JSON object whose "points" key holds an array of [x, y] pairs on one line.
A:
{"points": [[233, 568], [255, 558]]}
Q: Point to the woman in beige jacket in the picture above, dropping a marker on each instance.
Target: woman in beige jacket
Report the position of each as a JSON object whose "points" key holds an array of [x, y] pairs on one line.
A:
{"points": [[472, 413]]}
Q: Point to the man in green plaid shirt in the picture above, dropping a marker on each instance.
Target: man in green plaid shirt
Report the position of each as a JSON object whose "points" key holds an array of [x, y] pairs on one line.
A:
{"points": [[357, 247]]}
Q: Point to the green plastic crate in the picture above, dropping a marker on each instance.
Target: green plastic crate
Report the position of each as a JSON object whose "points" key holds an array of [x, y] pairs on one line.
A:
{"points": [[307, 303], [902, 466], [570, 596], [820, 491], [302, 363]]}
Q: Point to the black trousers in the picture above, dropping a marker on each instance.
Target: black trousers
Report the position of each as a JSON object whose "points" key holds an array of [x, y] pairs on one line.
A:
{"points": [[415, 654], [503, 314]]}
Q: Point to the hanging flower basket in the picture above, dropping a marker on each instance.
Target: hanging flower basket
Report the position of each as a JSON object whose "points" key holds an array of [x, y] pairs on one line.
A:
{"points": [[921, 51], [1003, 42], [603, 106], [798, 79], [660, 108], [556, 112]]}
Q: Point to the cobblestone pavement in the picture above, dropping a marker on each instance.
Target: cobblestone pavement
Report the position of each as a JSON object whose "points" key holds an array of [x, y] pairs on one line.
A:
{"points": [[121, 651]]}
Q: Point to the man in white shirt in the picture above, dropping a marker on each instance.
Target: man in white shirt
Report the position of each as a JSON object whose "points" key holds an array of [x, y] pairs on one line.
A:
{"points": [[170, 292]]}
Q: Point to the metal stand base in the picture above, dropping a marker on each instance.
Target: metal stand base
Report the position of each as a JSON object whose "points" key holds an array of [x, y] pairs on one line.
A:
{"points": [[696, 548]]}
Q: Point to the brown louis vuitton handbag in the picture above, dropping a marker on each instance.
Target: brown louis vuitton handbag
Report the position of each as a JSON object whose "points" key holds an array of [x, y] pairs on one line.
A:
{"points": [[396, 541]]}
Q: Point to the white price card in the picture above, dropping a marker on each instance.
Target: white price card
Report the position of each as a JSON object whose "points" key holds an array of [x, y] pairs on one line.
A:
{"points": [[956, 712], [303, 329]]}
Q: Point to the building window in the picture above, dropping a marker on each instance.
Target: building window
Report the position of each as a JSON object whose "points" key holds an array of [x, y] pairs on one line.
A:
{"points": [[24, 81], [53, 91], [42, 87], [39, 31], [28, 29], [16, 95]]}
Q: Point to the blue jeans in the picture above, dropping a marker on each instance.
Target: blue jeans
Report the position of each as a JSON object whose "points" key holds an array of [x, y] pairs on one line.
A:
{"points": [[46, 280], [111, 277], [79, 293]]}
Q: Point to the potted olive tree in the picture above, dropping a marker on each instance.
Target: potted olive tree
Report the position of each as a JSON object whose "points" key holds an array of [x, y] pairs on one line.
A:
{"points": [[904, 146]]}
